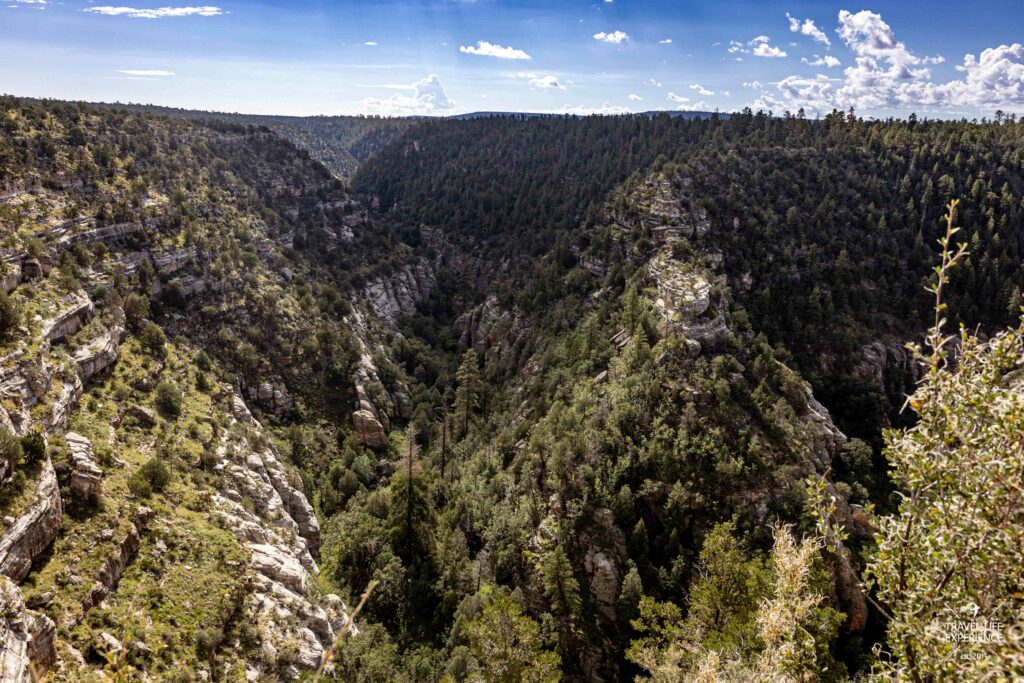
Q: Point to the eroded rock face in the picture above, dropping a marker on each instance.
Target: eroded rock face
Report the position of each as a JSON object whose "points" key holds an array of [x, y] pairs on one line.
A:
{"points": [[70, 315], [113, 567], [86, 476], [34, 530], [369, 429], [492, 331], [100, 353], [281, 532], [398, 294], [27, 638]]}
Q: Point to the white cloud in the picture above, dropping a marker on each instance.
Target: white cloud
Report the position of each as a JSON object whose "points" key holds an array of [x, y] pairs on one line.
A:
{"points": [[548, 82], [887, 75], [672, 97], [666, 41], [428, 97], [485, 49], [156, 13], [656, 84], [614, 37], [605, 109], [756, 85], [146, 72], [371, 43], [768, 51], [760, 46], [634, 98], [827, 61], [700, 89], [807, 28]]}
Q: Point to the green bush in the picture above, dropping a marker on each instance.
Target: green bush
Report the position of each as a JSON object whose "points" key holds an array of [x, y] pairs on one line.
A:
{"points": [[33, 447], [156, 474], [10, 449], [139, 486], [168, 399], [153, 340], [10, 316]]}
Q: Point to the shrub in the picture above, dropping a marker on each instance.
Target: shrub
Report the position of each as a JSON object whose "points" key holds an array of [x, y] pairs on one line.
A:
{"points": [[10, 316], [139, 486], [153, 340], [168, 399], [156, 474], [203, 362], [10, 449], [136, 308], [33, 446]]}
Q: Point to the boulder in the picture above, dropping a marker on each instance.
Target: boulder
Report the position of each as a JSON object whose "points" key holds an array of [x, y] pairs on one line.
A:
{"points": [[143, 415], [369, 430]]}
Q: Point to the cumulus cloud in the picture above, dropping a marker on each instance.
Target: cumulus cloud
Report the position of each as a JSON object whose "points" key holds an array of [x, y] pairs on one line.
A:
{"points": [[371, 43], [634, 98], [155, 13], [656, 84], [548, 82], [700, 89], [827, 61], [151, 73], [768, 51], [672, 97], [428, 97], [758, 46], [485, 49], [887, 75], [666, 41], [756, 85], [614, 37], [808, 28]]}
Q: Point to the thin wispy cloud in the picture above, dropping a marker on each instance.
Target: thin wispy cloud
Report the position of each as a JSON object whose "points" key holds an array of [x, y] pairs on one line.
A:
{"points": [[155, 13], [486, 49], [153, 73]]}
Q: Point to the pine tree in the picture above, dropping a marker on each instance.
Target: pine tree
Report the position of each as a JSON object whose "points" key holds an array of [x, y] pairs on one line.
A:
{"points": [[467, 395]]}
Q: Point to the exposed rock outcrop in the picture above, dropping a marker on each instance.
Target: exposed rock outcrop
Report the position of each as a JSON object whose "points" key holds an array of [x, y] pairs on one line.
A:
{"points": [[398, 294], [369, 429], [72, 312], [100, 353], [495, 333], [34, 530], [86, 476], [27, 638], [281, 532]]}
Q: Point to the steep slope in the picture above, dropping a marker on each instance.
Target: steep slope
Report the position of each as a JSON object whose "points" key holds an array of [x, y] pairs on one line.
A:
{"points": [[144, 474]]}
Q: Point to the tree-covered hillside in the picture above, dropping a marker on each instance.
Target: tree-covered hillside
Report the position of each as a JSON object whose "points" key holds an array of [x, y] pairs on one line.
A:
{"points": [[582, 399]]}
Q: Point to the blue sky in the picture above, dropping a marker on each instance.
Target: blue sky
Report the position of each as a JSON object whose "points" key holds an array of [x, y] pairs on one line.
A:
{"points": [[449, 56]]}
